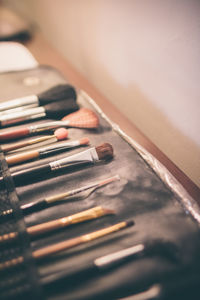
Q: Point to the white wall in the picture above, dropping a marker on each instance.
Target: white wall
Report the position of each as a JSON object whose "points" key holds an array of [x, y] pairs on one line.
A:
{"points": [[143, 55]]}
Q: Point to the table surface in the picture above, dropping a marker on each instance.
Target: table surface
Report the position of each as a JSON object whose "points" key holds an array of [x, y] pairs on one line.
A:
{"points": [[46, 54]]}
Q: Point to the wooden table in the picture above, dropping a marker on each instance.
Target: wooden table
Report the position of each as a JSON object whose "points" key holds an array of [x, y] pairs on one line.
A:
{"points": [[46, 54]]}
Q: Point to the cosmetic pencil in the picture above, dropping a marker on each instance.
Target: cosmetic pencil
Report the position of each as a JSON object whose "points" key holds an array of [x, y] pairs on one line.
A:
{"points": [[89, 214], [53, 110], [98, 266], [45, 151], [67, 244], [58, 92], [59, 135], [88, 157], [83, 118], [40, 204]]}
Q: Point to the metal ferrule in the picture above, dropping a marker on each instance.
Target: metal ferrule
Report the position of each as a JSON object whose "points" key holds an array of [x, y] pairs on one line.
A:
{"points": [[89, 155], [58, 146], [27, 114], [116, 257], [19, 102], [47, 126], [17, 109]]}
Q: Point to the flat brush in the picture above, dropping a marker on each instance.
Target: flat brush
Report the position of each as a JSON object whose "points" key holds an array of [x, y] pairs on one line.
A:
{"points": [[83, 118], [83, 216], [90, 156], [53, 110], [56, 248], [59, 135], [45, 151], [44, 203], [58, 92]]}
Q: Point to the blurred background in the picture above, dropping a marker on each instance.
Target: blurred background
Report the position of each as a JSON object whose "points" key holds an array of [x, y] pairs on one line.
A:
{"points": [[144, 56]]}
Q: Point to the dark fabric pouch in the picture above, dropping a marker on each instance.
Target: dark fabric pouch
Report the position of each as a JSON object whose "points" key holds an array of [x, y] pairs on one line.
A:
{"points": [[163, 219]]}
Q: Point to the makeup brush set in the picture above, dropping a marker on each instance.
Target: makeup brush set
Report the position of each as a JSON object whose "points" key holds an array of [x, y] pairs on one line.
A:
{"points": [[84, 214]]}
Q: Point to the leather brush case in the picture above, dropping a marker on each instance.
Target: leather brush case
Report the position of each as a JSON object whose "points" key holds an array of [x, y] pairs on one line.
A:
{"points": [[164, 215]]}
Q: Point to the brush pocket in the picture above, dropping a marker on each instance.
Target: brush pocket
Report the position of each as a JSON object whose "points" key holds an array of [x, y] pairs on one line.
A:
{"points": [[159, 213]]}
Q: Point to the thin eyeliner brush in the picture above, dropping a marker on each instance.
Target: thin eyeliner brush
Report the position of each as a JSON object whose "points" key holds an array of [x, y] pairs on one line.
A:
{"points": [[83, 118], [58, 92], [59, 135], [89, 214], [45, 151], [67, 244], [53, 110], [87, 157], [84, 191]]}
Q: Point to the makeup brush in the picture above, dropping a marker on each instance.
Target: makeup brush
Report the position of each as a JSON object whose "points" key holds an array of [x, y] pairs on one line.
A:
{"points": [[83, 118], [58, 92], [93, 268], [110, 261], [53, 110], [90, 156], [67, 244], [44, 203], [59, 135], [89, 214], [45, 151]]}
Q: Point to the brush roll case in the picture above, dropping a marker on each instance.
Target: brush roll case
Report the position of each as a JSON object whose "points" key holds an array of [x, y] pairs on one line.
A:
{"points": [[164, 214]]}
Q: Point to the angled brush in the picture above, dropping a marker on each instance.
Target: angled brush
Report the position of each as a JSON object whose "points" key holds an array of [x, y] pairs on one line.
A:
{"points": [[53, 110], [58, 92], [67, 244], [45, 151], [87, 157], [59, 135], [83, 118], [89, 214], [82, 192]]}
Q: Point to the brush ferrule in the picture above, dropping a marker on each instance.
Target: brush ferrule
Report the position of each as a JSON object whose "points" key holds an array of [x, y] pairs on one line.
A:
{"points": [[21, 116], [89, 155], [17, 109], [60, 146], [19, 102], [112, 259], [47, 126]]}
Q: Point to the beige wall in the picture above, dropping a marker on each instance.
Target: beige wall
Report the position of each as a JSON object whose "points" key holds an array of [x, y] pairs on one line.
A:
{"points": [[143, 55]]}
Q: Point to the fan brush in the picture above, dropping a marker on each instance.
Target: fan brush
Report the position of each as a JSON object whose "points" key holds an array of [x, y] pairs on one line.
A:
{"points": [[83, 118]]}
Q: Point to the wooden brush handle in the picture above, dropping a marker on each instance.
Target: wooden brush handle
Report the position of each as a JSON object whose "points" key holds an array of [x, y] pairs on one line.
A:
{"points": [[21, 157], [11, 263], [14, 134]]}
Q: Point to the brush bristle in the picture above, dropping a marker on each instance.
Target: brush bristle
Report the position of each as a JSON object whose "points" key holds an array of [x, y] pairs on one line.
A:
{"points": [[83, 118], [61, 133], [104, 151], [56, 93], [84, 141], [60, 108], [130, 223]]}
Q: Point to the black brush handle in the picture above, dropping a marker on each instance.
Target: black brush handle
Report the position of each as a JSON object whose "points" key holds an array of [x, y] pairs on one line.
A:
{"points": [[33, 206], [69, 276], [22, 176]]}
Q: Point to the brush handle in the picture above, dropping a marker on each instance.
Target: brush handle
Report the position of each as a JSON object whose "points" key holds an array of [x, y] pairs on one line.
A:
{"points": [[13, 134], [22, 157], [32, 173], [34, 206], [26, 209], [71, 274]]}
